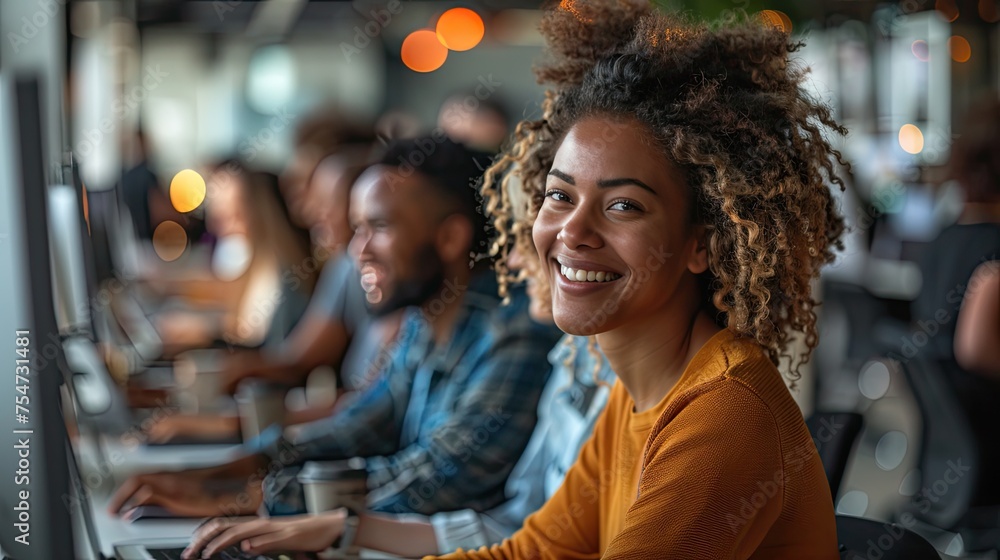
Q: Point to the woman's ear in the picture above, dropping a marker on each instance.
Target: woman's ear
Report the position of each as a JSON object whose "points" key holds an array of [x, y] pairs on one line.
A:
{"points": [[698, 258], [454, 238]]}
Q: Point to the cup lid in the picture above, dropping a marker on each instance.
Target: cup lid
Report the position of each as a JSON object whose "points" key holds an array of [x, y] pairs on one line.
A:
{"points": [[319, 471]]}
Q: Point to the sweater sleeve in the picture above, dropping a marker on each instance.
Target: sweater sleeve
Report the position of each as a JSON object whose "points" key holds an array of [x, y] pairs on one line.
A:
{"points": [[712, 480], [567, 526]]}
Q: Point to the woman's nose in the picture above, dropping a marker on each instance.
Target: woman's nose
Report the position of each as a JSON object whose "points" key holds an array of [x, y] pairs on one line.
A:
{"points": [[579, 229]]}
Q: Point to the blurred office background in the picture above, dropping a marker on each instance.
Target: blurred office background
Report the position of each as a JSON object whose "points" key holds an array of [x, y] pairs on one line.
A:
{"points": [[206, 80]]}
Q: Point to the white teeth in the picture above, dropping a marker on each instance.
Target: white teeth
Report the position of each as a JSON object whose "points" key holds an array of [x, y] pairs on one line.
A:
{"points": [[587, 275]]}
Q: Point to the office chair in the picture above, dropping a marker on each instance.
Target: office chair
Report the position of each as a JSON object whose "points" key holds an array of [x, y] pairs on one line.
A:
{"points": [[861, 539], [957, 456], [834, 434]]}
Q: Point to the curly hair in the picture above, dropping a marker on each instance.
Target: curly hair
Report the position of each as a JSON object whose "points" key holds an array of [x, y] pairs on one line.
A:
{"points": [[727, 109]]}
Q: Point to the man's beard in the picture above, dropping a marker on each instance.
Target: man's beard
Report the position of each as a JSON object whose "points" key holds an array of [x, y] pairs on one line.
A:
{"points": [[417, 289]]}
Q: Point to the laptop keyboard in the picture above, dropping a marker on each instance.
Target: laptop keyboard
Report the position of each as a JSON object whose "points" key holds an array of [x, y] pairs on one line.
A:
{"points": [[231, 553]]}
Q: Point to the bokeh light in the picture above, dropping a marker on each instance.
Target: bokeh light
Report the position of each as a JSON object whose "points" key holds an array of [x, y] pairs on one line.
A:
{"points": [[187, 190], [460, 29], [961, 50], [988, 11], [911, 139], [423, 52], [777, 19], [947, 8], [921, 50], [86, 207], [169, 240]]}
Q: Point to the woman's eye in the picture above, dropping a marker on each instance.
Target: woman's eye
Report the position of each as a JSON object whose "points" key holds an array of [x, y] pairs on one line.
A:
{"points": [[557, 195], [624, 206]]}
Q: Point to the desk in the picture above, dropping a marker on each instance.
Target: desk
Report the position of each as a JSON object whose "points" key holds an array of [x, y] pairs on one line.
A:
{"points": [[126, 461], [102, 472]]}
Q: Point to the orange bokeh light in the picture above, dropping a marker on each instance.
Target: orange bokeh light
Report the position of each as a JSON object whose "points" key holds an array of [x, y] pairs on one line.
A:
{"points": [[86, 207], [187, 190], [460, 29], [988, 11], [169, 240], [961, 50], [777, 19], [947, 8], [423, 52]]}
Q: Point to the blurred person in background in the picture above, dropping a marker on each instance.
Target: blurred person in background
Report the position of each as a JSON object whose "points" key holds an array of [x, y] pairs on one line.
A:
{"points": [[320, 134], [336, 330], [948, 269], [462, 363], [570, 404], [259, 281], [977, 334], [328, 198], [949, 261], [146, 199], [138, 185], [481, 124]]}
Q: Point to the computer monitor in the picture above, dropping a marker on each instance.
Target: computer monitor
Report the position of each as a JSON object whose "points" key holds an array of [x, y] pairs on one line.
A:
{"points": [[36, 496], [68, 260], [103, 214]]}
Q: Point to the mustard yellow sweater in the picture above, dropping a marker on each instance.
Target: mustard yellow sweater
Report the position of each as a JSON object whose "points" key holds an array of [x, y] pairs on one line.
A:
{"points": [[723, 467]]}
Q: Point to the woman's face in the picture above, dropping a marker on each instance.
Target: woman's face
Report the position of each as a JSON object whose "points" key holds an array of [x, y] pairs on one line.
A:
{"points": [[612, 231]]}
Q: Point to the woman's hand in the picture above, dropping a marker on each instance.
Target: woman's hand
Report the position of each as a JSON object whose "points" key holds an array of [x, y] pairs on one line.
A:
{"points": [[300, 533]]}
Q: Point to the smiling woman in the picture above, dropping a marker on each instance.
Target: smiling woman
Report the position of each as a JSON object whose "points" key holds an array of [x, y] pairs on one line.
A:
{"points": [[678, 199]]}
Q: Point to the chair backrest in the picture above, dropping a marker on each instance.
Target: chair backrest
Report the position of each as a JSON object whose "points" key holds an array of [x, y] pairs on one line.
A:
{"points": [[947, 437], [834, 434], [865, 539]]}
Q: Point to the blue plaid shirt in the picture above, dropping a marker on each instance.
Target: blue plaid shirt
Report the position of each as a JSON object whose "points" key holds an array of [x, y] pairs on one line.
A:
{"points": [[569, 407], [444, 425]]}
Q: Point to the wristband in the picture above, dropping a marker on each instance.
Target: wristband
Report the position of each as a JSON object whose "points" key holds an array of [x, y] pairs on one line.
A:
{"points": [[343, 548]]}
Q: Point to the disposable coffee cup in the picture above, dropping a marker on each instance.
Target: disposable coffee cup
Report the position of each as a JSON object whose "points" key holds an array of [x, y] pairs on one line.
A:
{"points": [[260, 406], [329, 485], [198, 376]]}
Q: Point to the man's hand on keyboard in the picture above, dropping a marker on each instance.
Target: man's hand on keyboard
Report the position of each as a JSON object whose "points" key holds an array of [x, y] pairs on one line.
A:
{"points": [[187, 495], [300, 533]]}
